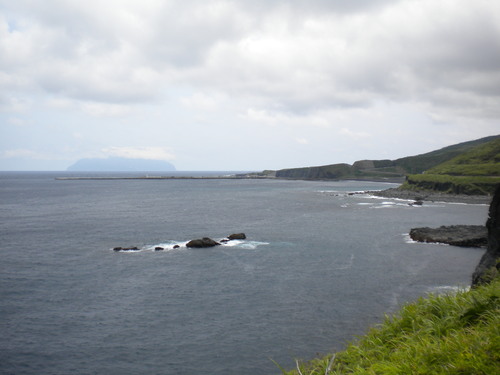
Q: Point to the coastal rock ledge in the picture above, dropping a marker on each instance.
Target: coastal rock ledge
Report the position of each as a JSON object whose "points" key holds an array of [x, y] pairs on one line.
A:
{"points": [[489, 265], [456, 235]]}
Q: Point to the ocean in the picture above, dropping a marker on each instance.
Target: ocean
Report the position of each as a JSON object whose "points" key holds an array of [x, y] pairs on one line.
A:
{"points": [[318, 267]]}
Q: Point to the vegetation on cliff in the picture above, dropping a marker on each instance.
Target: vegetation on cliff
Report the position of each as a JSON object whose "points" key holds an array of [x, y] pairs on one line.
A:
{"points": [[468, 185], [445, 334], [476, 171], [482, 162], [425, 162]]}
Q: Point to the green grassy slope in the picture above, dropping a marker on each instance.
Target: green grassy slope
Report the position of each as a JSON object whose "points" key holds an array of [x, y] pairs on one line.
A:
{"points": [[448, 334], [475, 171], [424, 162], [482, 160], [380, 169]]}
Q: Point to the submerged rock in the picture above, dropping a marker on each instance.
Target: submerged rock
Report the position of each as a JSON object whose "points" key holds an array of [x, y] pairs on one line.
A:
{"points": [[456, 235], [203, 242], [417, 203]]}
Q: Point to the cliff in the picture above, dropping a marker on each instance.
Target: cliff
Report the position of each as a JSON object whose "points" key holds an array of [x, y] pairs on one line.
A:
{"points": [[396, 170], [489, 265]]}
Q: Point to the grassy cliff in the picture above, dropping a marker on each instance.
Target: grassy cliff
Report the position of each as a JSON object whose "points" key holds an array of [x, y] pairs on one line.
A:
{"points": [[446, 334], [424, 162], [475, 171], [396, 170]]}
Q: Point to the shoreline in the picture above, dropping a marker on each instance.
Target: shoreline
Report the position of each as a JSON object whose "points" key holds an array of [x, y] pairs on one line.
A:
{"points": [[432, 196], [394, 193]]}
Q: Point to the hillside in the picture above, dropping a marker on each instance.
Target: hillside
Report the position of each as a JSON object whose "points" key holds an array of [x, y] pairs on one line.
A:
{"points": [[482, 160], [424, 162], [388, 170], [475, 171]]}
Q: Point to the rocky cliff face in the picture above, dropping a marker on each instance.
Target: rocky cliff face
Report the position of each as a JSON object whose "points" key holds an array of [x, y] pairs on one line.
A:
{"points": [[488, 265]]}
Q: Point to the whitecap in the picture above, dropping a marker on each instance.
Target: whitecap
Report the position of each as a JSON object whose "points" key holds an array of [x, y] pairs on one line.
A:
{"points": [[180, 245], [167, 246], [408, 239], [242, 244]]}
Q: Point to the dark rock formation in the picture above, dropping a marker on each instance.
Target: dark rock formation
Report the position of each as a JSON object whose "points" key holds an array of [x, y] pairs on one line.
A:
{"points": [[431, 196], [204, 242], [488, 265], [135, 248], [176, 246], [237, 236], [418, 202], [456, 235], [159, 248]]}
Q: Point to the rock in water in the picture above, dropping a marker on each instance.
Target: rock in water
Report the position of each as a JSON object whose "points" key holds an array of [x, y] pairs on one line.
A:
{"points": [[456, 235], [237, 236], [135, 248], [204, 242], [489, 261]]}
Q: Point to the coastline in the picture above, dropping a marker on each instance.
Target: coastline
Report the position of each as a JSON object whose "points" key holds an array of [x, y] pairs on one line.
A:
{"points": [[432, 196], [396, 193]]}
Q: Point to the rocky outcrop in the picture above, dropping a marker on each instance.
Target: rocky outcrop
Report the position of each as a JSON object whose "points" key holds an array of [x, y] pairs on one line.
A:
{"points": [[431, 196], [197, 243], [456, 235], [201, 243], [135, 248], [488, 265]]}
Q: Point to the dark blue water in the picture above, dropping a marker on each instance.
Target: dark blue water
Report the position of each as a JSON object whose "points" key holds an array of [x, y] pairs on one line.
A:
{"points": [[318, 267]]}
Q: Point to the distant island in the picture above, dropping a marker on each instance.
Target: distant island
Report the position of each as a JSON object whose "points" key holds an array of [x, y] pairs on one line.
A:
{"points": [[117, 164]]}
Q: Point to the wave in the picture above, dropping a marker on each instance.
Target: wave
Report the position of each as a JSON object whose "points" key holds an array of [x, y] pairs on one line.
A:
{"points": [[181, 245], [408, 240]]}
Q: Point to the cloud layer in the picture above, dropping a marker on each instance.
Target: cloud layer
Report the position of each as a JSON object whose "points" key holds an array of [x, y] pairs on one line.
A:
{"points": [[268, 62]]}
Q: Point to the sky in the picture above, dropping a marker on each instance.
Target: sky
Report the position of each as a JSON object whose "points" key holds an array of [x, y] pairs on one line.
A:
{"points": [[244, 85]]}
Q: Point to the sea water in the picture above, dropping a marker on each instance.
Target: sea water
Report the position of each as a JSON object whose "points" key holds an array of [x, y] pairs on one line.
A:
{"points": [[318, 267]]}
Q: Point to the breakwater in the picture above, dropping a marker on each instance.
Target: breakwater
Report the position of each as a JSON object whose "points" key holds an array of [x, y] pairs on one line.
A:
{"points": [[165, 178]]}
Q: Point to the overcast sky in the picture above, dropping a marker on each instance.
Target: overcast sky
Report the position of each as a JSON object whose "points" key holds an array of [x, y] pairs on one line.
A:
{"points": [[244, 84]]}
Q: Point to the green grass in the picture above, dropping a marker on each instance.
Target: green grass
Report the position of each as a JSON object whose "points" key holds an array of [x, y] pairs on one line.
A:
{"points": [[448, 334], [411, 164], [483, 160], [424, 162]]}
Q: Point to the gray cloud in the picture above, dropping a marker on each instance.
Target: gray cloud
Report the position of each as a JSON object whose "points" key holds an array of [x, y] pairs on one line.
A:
{"points": [[293, 56]]}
